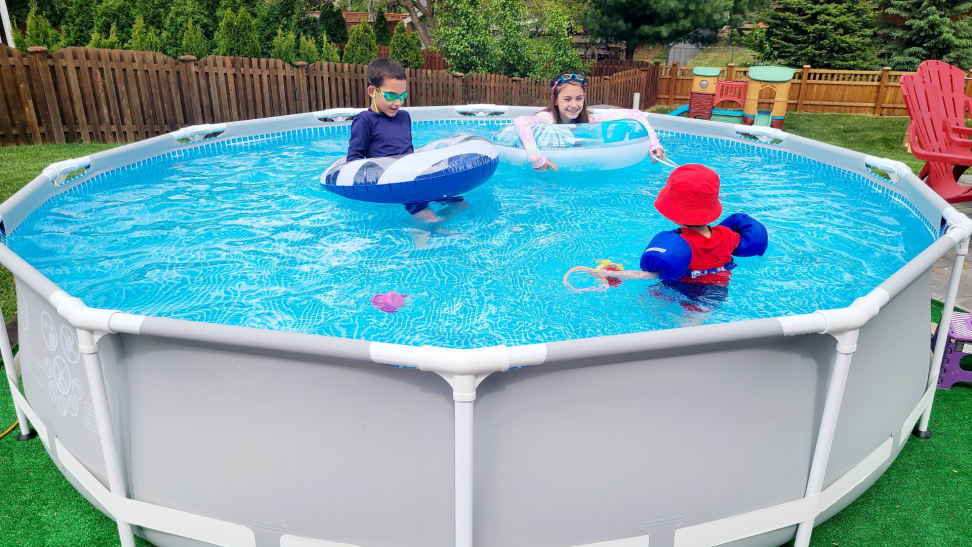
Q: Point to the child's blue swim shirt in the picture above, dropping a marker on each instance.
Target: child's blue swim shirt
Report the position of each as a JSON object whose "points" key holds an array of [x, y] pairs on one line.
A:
{"points": [[375, 135]]}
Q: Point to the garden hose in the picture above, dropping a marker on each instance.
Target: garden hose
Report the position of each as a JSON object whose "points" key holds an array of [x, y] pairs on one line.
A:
{"points": [[11, 428]]}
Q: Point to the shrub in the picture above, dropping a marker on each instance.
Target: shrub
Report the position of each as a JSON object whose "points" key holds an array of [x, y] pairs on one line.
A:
{"points": [[226, 35], [383, 36], [827, 34], [563, 53], [405, 48], [333, 23], [177, 24], [361, 48], [143, 39], [77, 25], [284, 46], [193, 41], [119, 13], [307, 50], [513, 43], [105, 42], [247, 43], [329, 52], [39, 33]]}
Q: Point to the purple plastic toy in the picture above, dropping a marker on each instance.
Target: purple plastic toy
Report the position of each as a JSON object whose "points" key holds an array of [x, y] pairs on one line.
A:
{"points": [[389, 302]]}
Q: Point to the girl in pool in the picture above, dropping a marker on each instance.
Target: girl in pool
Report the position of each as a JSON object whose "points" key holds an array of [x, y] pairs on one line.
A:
{"points": [[567, 106]]}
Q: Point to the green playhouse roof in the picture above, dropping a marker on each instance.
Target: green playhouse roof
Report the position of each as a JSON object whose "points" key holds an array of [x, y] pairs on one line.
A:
{"points": [[706, 71], [771, 73]]}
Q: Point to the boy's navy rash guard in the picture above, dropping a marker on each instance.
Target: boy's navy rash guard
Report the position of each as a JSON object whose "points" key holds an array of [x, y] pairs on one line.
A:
{"points": [[375, 135]]}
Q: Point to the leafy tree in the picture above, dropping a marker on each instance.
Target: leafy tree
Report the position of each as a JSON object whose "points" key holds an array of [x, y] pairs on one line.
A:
{"points": [[284, 46], [247, 42], [272, 15], [329, 52], [563, 53], [361, 48], [423, 14], [464, 37], [513, 43], [307, 50], [383, 36], [38, 33], [828, 34], [176, 25], [77, 24], [638, 22], [333, 24], [110, 41], [119, 13], [405, 48], [143, 39], [931, 29], [226, 35], [193, 41]]}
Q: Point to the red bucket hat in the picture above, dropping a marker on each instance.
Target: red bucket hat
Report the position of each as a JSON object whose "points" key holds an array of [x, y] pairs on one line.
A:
{"points": [[690, 196]]}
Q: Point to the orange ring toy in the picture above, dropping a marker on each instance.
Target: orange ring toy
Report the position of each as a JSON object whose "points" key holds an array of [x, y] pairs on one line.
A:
{"points": [[602, 286]]}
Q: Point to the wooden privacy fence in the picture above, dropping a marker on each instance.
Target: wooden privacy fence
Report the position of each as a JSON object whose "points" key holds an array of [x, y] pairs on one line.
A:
{"points": [[101, 95], [875, 92]]}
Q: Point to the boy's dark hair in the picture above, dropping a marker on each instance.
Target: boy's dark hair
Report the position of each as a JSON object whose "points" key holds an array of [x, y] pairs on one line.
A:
{"points": [[382, 68]]}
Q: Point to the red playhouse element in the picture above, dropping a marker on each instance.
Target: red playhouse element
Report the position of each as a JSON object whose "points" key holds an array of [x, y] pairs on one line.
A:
{"points": [[937, 105], [734, 91], [700, 105]]}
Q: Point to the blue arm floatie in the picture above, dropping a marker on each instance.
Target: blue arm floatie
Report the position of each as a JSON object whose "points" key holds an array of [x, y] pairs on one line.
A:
{"points": [[753, 238], [668, 254]]}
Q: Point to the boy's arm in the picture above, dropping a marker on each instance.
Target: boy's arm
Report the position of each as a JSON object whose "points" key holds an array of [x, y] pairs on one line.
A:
{"points": [[360, 138], [668, 254], [753, 238]]}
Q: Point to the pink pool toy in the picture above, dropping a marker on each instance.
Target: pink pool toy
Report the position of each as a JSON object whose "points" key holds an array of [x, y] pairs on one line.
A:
{"points": [[389, 302]]}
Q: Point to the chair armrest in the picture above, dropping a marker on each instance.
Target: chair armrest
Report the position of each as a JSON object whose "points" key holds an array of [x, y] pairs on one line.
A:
{"points": [[923, 154]]}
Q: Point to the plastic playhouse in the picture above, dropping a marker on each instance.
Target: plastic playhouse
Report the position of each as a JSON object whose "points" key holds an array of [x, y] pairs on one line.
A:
{"points": [[712, 98]]}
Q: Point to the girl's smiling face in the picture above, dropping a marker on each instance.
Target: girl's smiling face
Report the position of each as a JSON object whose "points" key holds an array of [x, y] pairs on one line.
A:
{"points": [[570, 101]]}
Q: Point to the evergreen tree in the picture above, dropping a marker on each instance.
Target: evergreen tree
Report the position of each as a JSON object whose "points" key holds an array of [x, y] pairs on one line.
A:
{"points": [[464, 37], [153, 12], [329, 52], [636, 22], [333, 23], [361, 48], [383, 36], [827, 34], [110, 41], [307, 50], [39, 33], [513, 43], [247, 41], [193, 41], [143, 39], [226, 35], [272, 15], [176, 25], [237, 5], [403, 48], [284, 46], [931, 29], [77, 24], [115, 12]]}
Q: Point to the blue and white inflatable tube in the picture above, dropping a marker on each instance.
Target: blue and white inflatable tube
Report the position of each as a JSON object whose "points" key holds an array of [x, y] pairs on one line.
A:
{"points": [[443, 168], [599, 146]]}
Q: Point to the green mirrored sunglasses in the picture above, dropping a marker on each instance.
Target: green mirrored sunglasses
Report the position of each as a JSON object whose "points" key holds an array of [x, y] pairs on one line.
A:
{"points": [[392, 97]]}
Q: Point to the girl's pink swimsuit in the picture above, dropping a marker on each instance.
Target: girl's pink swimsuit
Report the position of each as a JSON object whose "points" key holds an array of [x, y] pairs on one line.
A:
{"points": [[524, 123]]}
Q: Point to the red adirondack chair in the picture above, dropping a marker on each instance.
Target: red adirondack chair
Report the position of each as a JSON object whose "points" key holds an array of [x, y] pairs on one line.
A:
{"points": [[937, 105]]}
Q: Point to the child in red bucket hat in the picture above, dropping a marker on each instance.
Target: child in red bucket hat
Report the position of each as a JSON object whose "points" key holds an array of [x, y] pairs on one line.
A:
{"points": [[696, 252]]}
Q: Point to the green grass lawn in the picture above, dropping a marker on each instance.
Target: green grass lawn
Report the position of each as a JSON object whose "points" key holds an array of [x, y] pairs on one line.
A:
{"points": [[922, 500]]}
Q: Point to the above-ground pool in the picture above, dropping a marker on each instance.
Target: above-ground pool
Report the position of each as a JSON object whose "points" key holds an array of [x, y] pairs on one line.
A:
{"points": [[201, 357]]}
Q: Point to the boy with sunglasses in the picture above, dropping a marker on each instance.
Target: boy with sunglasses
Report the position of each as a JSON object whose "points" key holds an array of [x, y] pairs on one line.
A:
{"points": [[384, 130]]}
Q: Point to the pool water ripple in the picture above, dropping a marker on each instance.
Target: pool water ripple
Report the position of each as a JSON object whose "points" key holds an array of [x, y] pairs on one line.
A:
{"points": [[246, 236]]}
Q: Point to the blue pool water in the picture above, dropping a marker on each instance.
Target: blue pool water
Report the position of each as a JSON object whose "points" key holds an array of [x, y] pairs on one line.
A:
{"points": [[245, 235]]}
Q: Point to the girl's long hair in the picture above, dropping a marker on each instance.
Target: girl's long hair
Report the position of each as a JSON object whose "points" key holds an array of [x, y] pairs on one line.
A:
{"points": [[581, 118]]}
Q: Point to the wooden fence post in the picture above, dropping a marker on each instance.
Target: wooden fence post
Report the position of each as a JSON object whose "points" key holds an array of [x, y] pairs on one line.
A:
{"points": [[26, 101], [302, 85], [730, 69], [803, 87], [458, 79], [38, 60], [879, 100], [190, 90], [516, 83], [671, 85]]}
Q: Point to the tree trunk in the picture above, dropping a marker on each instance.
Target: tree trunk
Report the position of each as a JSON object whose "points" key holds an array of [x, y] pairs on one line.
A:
{"points": [[629, 51], [420, 27]]}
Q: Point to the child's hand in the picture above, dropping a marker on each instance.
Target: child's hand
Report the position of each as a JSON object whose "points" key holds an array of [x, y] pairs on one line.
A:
{"points": [[658, 154], [546, 165]]}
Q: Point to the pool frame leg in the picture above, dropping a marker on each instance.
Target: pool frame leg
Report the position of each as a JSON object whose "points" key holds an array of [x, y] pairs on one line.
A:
{"points": [[961, 250], [846, 346], [88, 344], [464, 397], [26, 433]]}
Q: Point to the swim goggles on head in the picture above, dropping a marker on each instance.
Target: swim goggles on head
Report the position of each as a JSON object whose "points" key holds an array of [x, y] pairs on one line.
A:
{"points": [[392, 97], [567, 78]]}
